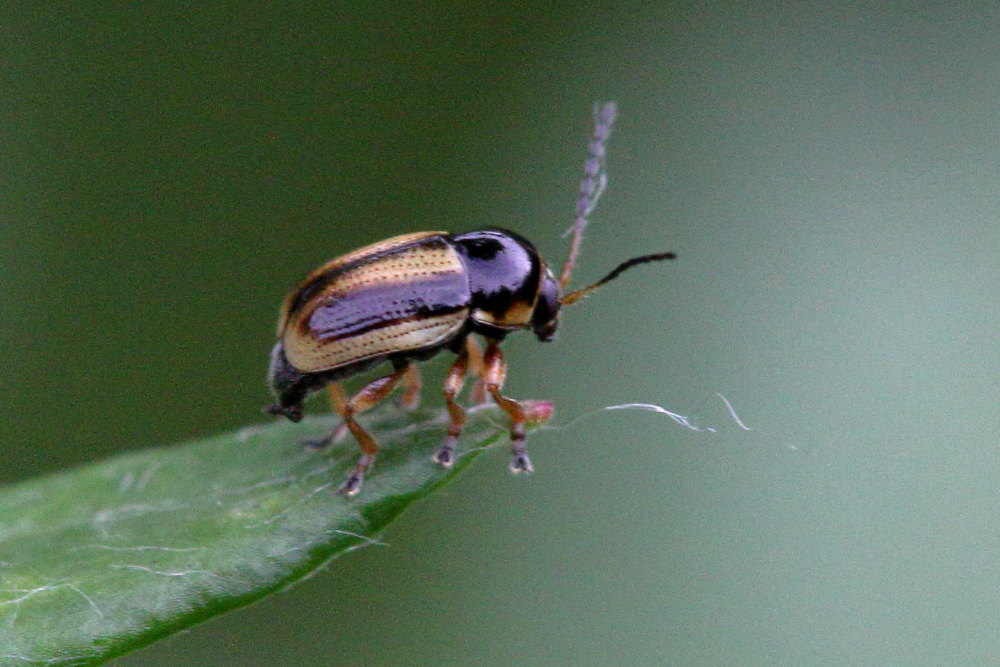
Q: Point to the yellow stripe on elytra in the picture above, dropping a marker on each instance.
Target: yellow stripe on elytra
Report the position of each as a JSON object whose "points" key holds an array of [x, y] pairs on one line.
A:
{"points": [[411, 264], [384, 269], [425, 260]]}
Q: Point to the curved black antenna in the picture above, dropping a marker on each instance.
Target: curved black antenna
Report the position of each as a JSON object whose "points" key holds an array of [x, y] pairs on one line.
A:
{"points": [[573, 297]]}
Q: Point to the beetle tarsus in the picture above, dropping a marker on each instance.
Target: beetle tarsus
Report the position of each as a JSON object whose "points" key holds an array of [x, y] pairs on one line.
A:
{"points": [[445, 457], [352, 485], [324, 443], [521, 464], [317, 444]]}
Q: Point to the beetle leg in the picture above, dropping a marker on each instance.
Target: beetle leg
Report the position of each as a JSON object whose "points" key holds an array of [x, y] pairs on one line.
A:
{"points": [[338, 399], [496, 373], [370, 395], [453, 383], [411, 397], [478, 394]]}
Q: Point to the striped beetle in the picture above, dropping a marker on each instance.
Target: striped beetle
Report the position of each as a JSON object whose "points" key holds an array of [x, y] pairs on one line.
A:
{"points": [[406, 298]]}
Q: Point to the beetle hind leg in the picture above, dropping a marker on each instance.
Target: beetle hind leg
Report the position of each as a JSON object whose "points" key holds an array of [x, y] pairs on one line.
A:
{"points": [[338, 401], [370, 395], [453, 383], [495, 372]]}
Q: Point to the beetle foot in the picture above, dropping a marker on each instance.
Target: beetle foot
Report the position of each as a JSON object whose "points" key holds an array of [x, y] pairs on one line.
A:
{"points": [[324, 443], [320, 444], [521, 464], [317, 444], [445, 457], [352, 484]]}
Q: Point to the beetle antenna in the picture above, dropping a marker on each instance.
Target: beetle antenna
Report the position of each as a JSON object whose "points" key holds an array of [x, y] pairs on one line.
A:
{"points": [[595, 179], [573, 297]]}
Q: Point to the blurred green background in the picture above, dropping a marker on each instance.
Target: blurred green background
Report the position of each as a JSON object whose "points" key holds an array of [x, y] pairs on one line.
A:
{"points": [[828, 176]]}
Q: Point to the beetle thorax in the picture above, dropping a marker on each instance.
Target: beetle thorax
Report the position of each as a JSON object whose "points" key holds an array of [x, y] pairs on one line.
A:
{"points": [[504, 272]]}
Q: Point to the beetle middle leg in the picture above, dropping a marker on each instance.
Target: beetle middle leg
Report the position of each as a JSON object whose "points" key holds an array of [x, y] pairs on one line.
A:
{"points": [[453, 384], [370, 395], [494, 376], [478, 394], [410, 399]]}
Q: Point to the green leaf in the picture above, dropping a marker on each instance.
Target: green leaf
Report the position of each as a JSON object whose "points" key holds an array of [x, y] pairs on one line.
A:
{"points": [[103, 559]]}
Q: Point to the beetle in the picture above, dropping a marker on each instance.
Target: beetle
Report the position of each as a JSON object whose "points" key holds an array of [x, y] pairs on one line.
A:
{"points": [[407, 298]]}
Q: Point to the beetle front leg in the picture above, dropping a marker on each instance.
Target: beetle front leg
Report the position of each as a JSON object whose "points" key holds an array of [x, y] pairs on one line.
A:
{"points": [[453, 383], [370, 395], [494, 376]]}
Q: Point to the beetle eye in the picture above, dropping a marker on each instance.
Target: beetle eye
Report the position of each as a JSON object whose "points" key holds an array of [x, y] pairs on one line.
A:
{"points": [[545, 317]]}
